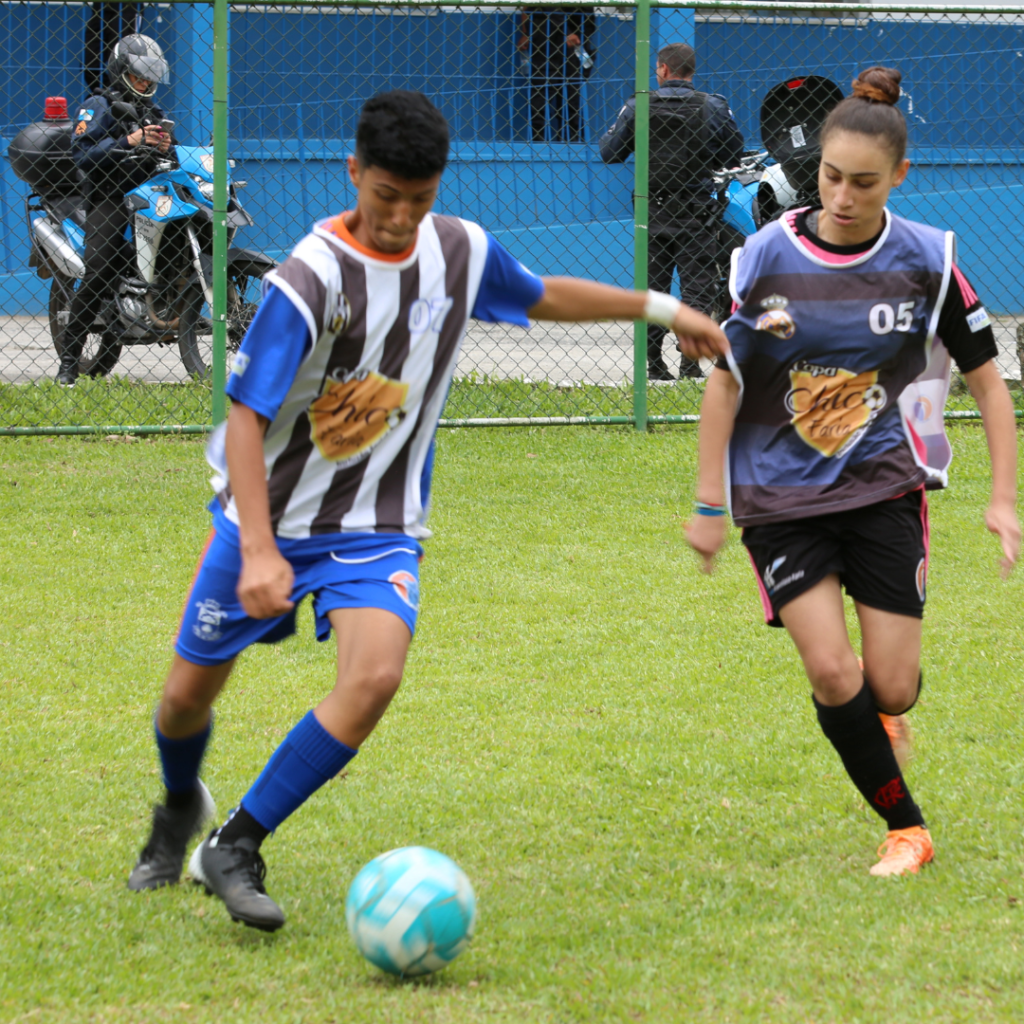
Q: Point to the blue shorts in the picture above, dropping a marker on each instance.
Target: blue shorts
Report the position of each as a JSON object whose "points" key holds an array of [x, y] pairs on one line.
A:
{"points": [[360, 570]]}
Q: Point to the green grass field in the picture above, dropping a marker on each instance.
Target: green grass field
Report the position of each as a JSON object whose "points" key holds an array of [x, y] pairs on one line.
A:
{"points": [[624, 760]]}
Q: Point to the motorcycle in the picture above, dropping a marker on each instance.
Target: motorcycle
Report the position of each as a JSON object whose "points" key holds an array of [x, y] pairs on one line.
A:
{"points": [[782, 177], [165, 279]]}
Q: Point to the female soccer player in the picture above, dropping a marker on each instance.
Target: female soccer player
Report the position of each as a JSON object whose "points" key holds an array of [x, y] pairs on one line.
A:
{"points": [[826, 428]]}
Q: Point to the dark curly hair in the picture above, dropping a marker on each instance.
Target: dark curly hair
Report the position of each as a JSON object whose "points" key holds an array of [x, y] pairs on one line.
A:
{"points": [[404, 133]]}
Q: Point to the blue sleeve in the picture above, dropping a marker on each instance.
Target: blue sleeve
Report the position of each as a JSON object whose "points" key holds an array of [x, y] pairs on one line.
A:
{"points": [[507, 288], [264, 368]]}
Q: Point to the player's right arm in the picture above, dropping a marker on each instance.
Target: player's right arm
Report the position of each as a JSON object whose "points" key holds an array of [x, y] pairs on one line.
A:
{"points": [[579, 301], [706, 533], [617, 143], [509, 293], [265, 583], [261, 374]]}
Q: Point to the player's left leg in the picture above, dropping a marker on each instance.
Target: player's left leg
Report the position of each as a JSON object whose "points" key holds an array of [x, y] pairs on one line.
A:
{"points": [[846, 710], [885, 568], [892, 669], [372, 648]]}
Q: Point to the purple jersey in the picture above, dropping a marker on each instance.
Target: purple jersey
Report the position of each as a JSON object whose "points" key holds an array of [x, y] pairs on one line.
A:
{"points": [[824, 351]]}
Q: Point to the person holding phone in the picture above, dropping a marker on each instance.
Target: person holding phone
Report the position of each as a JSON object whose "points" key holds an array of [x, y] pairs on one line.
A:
{"points": [[103, 148]]}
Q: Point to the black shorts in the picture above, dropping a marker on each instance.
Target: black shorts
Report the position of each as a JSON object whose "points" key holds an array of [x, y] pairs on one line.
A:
{"points": [[880, 553]]}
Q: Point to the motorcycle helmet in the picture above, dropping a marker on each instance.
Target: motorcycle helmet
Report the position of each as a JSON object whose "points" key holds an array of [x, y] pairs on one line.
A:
{"points": [[141, 56]]}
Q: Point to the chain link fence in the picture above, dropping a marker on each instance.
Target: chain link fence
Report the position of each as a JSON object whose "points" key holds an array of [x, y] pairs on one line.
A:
{"points": [[543, 155]]}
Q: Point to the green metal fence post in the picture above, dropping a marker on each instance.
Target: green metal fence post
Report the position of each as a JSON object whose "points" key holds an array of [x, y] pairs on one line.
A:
{"points": [[218, 366], [640, 204]]}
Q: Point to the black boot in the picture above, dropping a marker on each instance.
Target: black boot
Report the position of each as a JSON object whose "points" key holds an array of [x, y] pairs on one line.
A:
{"points": [[67, 374], [690, 368], [70, 345], [658, 370]]}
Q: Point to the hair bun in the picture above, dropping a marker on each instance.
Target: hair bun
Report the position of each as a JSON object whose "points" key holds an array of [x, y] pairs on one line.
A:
{"points": [[882, 85]]}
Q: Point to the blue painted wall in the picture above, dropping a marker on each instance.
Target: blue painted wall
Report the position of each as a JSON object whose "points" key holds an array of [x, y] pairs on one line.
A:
{"points": [[297, 82]]}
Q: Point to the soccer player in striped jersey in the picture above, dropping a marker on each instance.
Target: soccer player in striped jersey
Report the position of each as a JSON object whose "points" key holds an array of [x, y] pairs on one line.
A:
{"points": [[825, 428], [325, 471]]}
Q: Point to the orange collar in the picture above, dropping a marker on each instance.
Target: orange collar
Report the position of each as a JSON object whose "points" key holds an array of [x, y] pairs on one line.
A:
{"points": [[337, 227]]}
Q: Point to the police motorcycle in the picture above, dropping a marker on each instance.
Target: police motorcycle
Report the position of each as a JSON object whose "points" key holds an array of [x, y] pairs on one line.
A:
{"points": [[166, 278], [783, 176]]}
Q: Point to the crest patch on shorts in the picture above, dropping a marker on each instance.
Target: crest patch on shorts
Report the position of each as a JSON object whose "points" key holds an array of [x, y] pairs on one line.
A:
{"points": [[210, 616]]}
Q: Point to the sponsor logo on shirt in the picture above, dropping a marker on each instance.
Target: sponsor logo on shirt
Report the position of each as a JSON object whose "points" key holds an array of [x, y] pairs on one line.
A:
{"points": [[777, 322], [978, 319], [354, 413], [832, 407], [239, 364]]}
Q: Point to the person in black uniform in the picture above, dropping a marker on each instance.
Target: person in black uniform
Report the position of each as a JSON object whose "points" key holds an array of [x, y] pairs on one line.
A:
{"points": [[100, 145], [691, 134], [562, 43]]}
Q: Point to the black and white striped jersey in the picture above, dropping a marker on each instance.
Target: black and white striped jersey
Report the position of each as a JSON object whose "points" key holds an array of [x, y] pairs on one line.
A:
{"points": [[351, 361]]}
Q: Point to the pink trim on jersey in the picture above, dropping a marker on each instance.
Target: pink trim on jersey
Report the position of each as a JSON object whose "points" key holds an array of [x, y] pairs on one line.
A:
{"points": [[766, 601], [969, 294], [919, 445], [816, 251]]}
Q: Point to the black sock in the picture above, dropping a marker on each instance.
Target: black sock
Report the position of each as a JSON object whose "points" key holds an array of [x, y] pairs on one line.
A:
{"points": [[242, 825], [860, 739]]}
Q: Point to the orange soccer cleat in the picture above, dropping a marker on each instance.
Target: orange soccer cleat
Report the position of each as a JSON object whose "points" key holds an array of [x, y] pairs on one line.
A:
{"points": [[900, 736], [898, 729], [905, 850]]}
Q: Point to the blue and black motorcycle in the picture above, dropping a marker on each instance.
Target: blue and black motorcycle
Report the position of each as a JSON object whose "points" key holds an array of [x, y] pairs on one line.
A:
{"points": [[162, 292], [784, 176]]}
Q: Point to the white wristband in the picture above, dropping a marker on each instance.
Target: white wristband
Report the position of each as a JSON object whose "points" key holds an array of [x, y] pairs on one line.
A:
{"points": [[661, 308]]}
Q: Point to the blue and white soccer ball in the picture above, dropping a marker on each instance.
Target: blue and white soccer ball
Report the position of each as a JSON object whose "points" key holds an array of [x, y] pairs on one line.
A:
{"points": [[411, 911]]}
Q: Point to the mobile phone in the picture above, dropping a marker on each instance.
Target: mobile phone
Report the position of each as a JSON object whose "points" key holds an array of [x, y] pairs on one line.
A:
{"points": [[166, 125]]}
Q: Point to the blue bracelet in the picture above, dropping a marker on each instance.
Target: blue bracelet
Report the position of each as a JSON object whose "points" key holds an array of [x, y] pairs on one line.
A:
{"points": [[702, 508]]}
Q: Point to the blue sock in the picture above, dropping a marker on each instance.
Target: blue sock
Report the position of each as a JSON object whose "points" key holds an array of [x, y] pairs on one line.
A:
{"points": [[308, 757], [180, 759]]}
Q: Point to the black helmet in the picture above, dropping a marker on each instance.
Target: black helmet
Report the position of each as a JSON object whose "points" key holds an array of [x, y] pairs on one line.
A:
{"points": [[143, 58]]}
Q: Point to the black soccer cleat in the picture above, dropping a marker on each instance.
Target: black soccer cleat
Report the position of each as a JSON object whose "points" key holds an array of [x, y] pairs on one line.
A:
{"points": [[163, 855], [234, 872]]}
